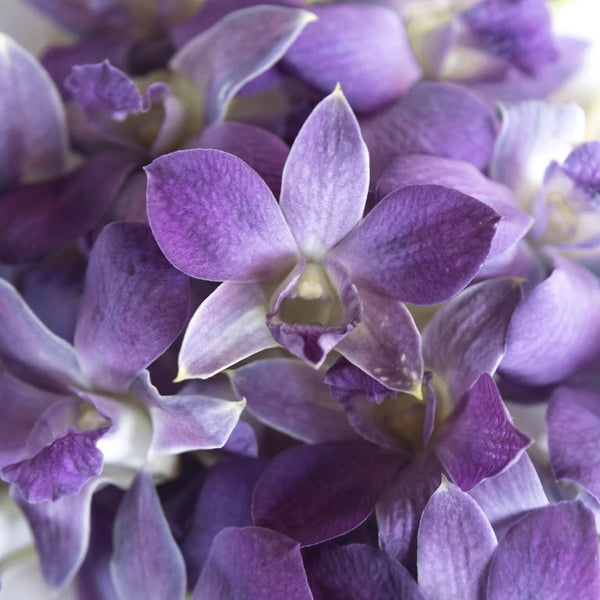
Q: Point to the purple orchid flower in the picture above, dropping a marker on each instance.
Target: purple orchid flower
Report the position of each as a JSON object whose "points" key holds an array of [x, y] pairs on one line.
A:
{"points": [[76, 417], [308, 274]]}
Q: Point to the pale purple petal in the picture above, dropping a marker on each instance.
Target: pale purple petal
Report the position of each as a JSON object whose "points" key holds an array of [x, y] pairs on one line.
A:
{"points": [[418, 169], [466, 337], [227, 327], [114, 339], [60, 469], [479, 439], [146, 563], [550, 553], [33, 135], [421, 244], [224, 501], [253, 563], [290, 396], [359, 572], [555, 331], [316, 493], [455, 546], [261, 149], [236, 49], [363, 47], [432, 118], [215, 218], [326, 177], [574, 436]]}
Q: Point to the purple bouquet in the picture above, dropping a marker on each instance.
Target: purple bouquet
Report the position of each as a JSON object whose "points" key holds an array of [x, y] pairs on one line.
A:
{"points": [[299, 300]]}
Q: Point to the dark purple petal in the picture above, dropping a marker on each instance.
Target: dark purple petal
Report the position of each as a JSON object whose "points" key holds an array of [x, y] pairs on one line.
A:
{"points": [[362, 47], [146, 563], [418, 169], [60, 469], [316, 493], [399, 510], [550, 553], [33, 135], [261, 149], [574, 436], [386, 343], [326, 177], [236, 49], [466, 337], [583, 167], [455, 546], [134, 305], [61, 531], [358, 572], [224, 501], [421, 244], [479, 439], [432, 118], [41, 218], [227, 327], [253, 563], [215, 218], [290, 396], [555, 331]]}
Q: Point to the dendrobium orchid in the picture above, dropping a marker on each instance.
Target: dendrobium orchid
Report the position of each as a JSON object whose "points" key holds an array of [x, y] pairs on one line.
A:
{"points": [[308, 273]]}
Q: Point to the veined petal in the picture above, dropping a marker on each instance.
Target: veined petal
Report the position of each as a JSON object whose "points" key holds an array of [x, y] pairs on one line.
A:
{"points": [[33, 135], [227, 327], [363, 47], [326, 177], [215, 218], [245, 43], [421, 244], [116, 339]]}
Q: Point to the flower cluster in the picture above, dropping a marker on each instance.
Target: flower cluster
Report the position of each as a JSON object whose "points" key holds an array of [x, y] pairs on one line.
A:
{"points": [[299, 300]]}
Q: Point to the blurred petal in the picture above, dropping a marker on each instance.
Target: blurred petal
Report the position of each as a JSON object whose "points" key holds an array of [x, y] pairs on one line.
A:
{"points": [[455, 545], [422, 244], [146, 563], [236, 49], [133, 307], [479, 439], [253, 563], [549, 553], [326, 177], [362, 47], [215, 218], [316, 493], [227, 327]]}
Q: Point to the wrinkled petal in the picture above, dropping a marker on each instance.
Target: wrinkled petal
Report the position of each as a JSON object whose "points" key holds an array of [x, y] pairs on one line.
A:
{"points": [[574, 436], [421, 244], [479, 439], [253, 563], [114, 339], [215, 218], [242, 45], [227, 327], [41, 218], [326, 177], [455, 545], [33, 134], [359, 572], [290, 396], [224, 501], [466, 337], [555, 331], [549, 553], [316, 493], [146, 563], [362, 47], [431, 118]]}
